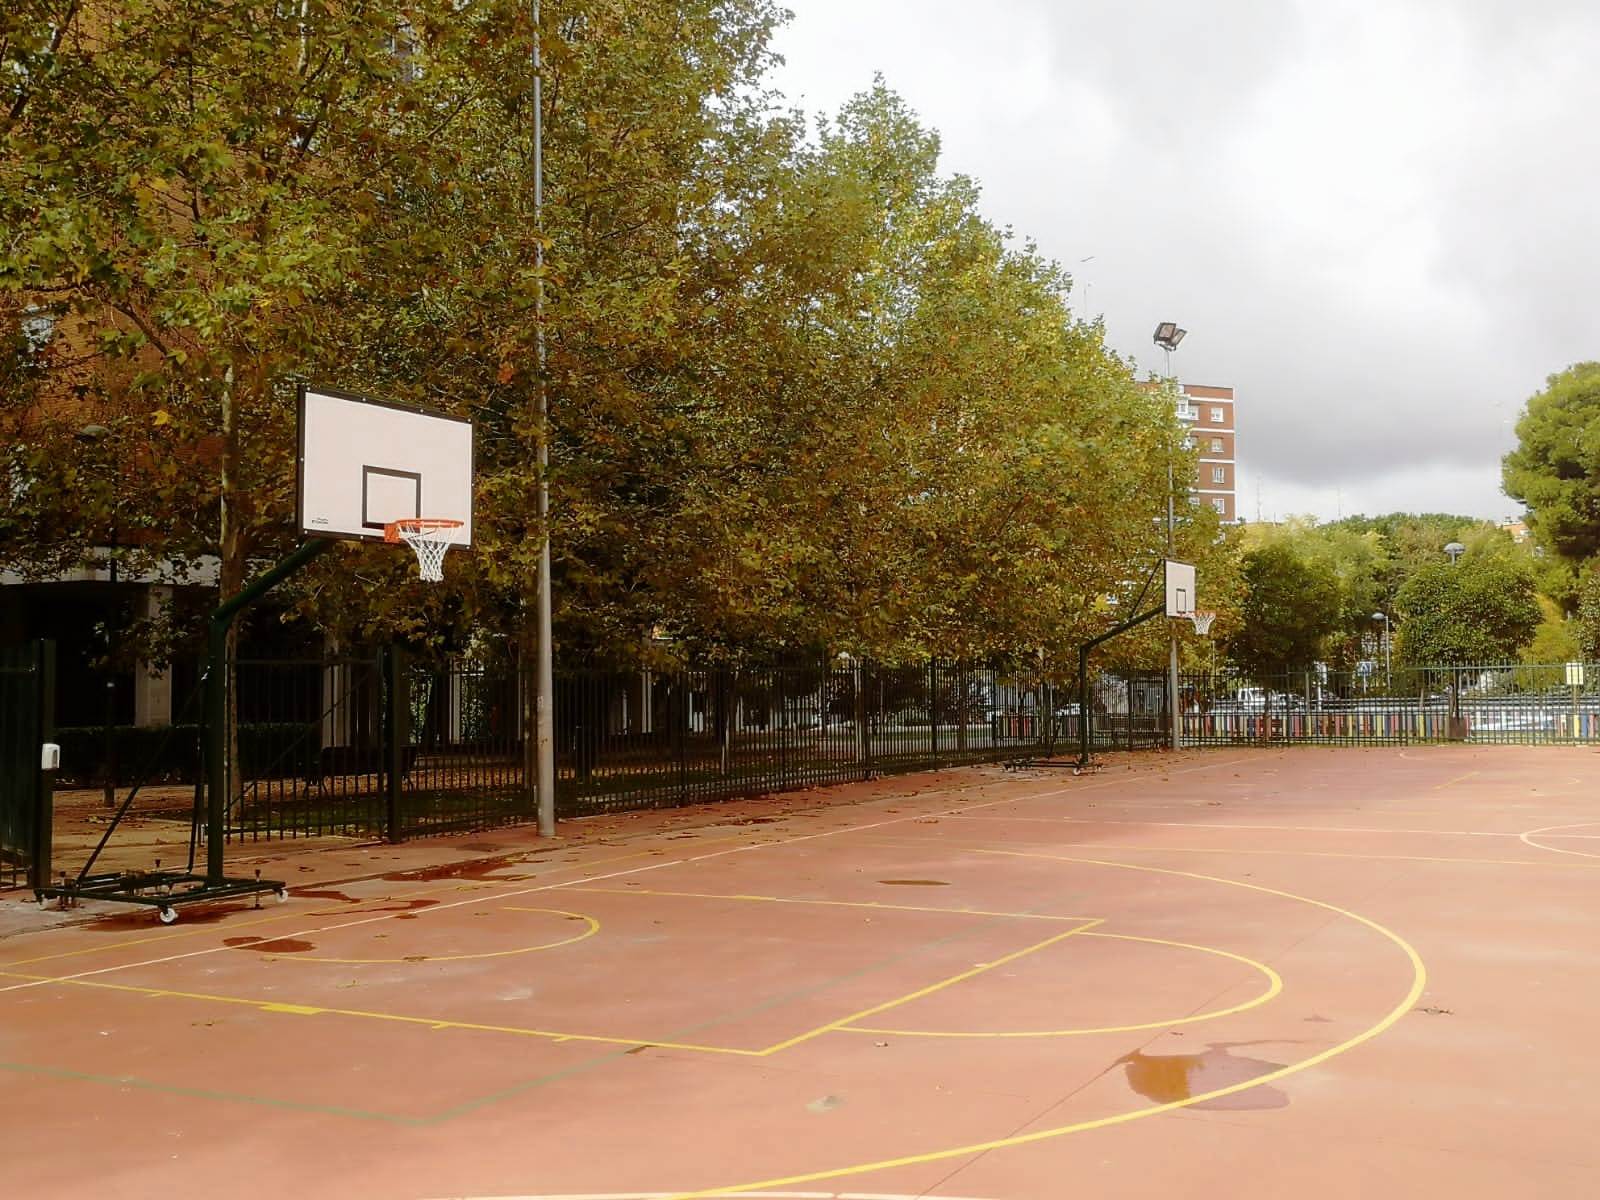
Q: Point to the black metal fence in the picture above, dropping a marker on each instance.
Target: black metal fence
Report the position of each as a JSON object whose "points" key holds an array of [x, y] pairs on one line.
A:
{"points": [[1510, 703], [374, 745], [363, 746], [26, 704]]}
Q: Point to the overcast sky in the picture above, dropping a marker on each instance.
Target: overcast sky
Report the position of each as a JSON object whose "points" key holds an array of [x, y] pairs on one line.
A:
{"points": [[1376, 218]]}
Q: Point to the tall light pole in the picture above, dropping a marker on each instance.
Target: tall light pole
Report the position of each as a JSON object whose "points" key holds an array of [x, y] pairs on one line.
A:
{"points": [[1457, 730], [1387, 667], [544, 694], [1167, 336]]}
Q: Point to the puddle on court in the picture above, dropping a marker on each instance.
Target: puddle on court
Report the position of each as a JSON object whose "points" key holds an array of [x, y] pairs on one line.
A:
{"points": [[401, 906], [481, 871], [1168, 1078], [916, 882], [270, 945], [143, 917]]}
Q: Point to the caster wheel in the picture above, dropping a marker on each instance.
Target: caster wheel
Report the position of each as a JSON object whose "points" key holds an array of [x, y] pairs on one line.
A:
{"points": [[167, 914], [282, 894]]}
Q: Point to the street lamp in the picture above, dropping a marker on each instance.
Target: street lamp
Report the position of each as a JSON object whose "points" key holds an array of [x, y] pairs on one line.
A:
{"points": [[93, 435], [1167, 336], [1387, 668]]}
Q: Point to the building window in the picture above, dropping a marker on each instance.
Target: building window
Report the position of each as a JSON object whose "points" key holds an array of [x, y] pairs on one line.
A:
{"points": [[1220, 505], [1188, 443], [1219, 474], [38, 326], [1216, 445], [1216, 416]]}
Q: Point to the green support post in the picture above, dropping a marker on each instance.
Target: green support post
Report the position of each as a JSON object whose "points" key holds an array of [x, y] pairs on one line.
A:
{"points": [[216, 697], [1083, 678]]}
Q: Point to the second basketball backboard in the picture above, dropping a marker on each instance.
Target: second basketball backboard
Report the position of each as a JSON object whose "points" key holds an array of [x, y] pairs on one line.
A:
{"points": [[1180, 588]]}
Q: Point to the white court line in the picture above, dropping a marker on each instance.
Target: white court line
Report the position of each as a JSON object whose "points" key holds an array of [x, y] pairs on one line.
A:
{"points": [[483, 896], [1284, 828], [732, 1195], [1527, 838]]}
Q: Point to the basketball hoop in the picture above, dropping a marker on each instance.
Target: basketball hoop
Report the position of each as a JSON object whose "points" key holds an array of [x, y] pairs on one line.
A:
{"points": [[1202, 622], [429, 537]]}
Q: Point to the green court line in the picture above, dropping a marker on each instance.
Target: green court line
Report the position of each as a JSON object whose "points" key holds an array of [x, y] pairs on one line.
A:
{"points": [[147, 1085]]}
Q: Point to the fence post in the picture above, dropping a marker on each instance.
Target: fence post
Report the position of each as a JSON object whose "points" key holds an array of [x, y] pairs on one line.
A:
{"points": [[44, 683], [863, 737], [933, 709], [392, 668]]}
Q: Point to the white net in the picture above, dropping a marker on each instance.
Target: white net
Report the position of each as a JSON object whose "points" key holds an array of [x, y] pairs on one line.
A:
{"points": [[430, 539], [1202, 622]]}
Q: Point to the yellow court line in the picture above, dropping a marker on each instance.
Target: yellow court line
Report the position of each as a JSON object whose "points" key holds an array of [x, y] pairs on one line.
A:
{"points": [[1419, 978], [971, 973], [921, 908], [176, 934], [755, 845], [593, 928], [271, 1006], [1274, 987], [1439, 787], [556, 1035]]}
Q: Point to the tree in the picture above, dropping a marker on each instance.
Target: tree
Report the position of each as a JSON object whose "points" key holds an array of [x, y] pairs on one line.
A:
{"points": [[1291, 605], [802, 395], [1481, 609], [1588, 617], [1556, 640], [1555, 468]]}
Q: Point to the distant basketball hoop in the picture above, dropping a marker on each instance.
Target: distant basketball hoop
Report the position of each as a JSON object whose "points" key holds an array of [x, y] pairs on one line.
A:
{"points": [[430, 538], [1202, 622]]}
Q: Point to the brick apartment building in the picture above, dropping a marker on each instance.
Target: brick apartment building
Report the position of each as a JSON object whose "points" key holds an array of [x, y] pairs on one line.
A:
{"points": [[1208, 412]]}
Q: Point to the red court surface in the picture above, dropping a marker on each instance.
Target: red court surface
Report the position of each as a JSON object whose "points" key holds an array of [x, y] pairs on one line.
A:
{"points": [[1258, 973]]}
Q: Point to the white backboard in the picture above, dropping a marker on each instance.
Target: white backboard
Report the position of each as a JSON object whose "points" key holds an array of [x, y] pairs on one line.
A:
{"points": [[1180, 589], [365, 462]]}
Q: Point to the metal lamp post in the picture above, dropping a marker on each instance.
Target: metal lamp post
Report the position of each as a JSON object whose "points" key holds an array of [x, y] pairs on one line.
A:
{"points": [[1457, 725], [1167, 336], [93, 435], [1388, 666]]}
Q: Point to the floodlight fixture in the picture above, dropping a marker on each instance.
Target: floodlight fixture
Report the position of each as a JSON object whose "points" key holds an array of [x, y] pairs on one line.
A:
{"points": [[1168, 335]]}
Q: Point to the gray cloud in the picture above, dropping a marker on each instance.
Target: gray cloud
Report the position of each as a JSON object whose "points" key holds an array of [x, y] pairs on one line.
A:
{"points": [[1376, 220]]}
